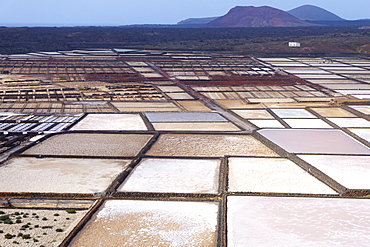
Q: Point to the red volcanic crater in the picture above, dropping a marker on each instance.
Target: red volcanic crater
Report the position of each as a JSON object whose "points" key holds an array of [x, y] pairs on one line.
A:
{"points": [[250, 16]]}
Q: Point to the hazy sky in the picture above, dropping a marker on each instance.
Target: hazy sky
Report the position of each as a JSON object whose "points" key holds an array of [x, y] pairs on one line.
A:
{"points": [[125, 12]]}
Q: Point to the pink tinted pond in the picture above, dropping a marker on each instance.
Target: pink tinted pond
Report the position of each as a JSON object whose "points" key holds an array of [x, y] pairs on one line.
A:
{"points": [[315, 141], [283, 221]]}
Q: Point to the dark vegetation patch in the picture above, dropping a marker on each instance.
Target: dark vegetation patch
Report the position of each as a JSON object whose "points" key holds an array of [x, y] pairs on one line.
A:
{"points": [[244, 40]]}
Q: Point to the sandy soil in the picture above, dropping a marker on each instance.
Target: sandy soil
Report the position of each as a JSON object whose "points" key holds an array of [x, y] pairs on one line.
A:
{"points": [[231, 104], [333, 112], [208, 146], [254, 114], [151, 223], [91, 145], [42, 232], [193, 105]]}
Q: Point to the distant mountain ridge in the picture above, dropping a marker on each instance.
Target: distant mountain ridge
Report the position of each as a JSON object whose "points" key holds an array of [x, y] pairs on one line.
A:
{"points": [[249, 16], [306, 13], [313, 13], [196, 21]]}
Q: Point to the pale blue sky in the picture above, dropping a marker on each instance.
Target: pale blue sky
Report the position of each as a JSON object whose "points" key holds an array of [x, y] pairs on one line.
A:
{"points": [[125, 12]]}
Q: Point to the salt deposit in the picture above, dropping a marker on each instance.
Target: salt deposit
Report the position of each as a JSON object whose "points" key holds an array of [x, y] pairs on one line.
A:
{"points": [[307, 123], [350, 171], [174, 175], [196, 126], [262, 123], [111, 122], [179, 96], [315, 141], [350, 122], [203, 145], [151, 223], [363, 133], [272, 175], [293, 113], [365, 109], [59, 175], [277, 221], [91, 145]]}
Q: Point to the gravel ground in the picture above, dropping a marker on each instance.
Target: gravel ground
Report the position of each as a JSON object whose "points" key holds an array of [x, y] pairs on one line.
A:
{"points": [[91, 145], [41, 225], [208, 146]]}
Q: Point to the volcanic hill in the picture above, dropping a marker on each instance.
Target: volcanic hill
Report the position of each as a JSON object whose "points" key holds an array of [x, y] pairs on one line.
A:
{"points": [[313, 13], [249, 16]]}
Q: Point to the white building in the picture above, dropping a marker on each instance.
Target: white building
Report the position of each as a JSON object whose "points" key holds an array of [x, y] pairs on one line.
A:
{"points": [[294, 44]]}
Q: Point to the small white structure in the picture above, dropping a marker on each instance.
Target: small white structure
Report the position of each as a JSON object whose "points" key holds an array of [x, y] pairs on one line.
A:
{"points": [[294, 44]]}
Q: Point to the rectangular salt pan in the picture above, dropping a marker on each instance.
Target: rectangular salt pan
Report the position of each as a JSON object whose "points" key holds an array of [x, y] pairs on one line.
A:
{"points": [[197, 126], [111, 122], [293, 113], [203, 145], [315, 141], [365, 109], [174, 176], [151, 223], [307, 123], [281, 222], [350, 122], [266, 123], [333, 112], [272, 175], [59, 175], [350, 171], [254, 114], [91, 145], [184, 117]]}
